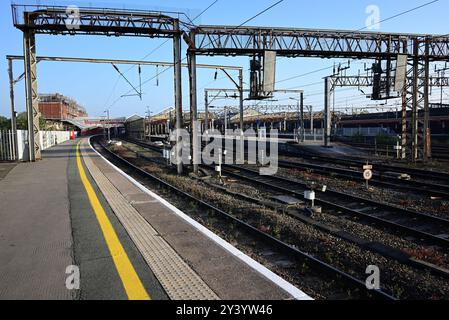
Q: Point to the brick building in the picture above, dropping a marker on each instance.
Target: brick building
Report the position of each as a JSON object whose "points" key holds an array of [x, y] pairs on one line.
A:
{"points": [[58, 107]]}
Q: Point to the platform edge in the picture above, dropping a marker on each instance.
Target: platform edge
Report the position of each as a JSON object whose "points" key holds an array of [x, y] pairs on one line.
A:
{"points": [[277, 280]]}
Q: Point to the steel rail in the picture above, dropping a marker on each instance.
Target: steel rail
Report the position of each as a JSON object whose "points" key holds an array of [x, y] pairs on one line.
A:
{"points": [[433, 190], [424, 174], [333, 198], [406, 212], [386, 251]]}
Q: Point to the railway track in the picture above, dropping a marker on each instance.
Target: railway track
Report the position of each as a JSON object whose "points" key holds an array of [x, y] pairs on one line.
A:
{"points": [[144, 145], [379, 179], [375, 247], [437, 177], [422, 226], [439, 152], [258, 235], [440, 189], [419, 225]]}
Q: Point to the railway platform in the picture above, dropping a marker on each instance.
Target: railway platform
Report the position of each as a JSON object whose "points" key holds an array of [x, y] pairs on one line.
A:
{"points": [[334, 150], [73, 226]]}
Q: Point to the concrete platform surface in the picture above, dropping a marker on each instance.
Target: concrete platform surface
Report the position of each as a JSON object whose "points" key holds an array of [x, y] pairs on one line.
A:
{"points": [[47, 225], [227, 275], [335, 150], [5, 168], [35, 230]]}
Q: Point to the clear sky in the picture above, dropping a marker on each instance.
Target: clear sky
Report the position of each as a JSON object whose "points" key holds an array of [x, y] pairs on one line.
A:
{"points": [[98, 87]]}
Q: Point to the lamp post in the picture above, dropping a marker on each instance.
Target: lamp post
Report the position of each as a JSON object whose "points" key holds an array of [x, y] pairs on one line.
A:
{"points": [[300, 103], [149, 123], [311, 118], [108, 125]]}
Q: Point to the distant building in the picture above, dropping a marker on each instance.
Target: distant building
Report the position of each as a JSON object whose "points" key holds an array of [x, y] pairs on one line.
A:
{"points": [[372, 124], [56, 107], [135, 127]]}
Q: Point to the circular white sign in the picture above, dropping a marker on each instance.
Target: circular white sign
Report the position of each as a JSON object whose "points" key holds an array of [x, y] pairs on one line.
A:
{"points": [[368, 174]]}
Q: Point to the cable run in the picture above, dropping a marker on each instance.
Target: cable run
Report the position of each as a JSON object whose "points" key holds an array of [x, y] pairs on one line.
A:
{"points": [[168, 68]]}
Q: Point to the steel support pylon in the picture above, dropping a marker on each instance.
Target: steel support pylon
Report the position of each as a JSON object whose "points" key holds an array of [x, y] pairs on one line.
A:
{"points": [[409, 103], [178, 94], [13, 110], [32, 96], [417, 101], [327, 111], [404, 123], [427, 143], [196, 143], [241, 99]]}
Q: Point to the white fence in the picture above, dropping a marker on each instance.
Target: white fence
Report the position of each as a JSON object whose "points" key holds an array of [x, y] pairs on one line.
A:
{"points": [[47, 139], [7, 143], [315, 135], [366, 132]]}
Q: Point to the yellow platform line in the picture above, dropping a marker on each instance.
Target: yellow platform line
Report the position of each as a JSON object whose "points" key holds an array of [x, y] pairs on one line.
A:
{"points": [[130, 280]]}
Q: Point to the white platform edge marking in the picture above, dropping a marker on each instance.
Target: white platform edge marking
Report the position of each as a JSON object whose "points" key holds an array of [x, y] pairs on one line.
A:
{"points": [[282, 283]]}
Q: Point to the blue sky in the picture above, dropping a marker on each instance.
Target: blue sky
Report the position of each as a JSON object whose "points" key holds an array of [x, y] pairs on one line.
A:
{"points": [[98, 87]]}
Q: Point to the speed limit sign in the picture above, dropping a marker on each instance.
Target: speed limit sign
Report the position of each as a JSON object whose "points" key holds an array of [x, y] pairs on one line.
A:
{"points": [[368, 174]]}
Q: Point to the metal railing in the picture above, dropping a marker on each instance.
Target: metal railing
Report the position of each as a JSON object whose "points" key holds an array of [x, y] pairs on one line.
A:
{"points": [[315, 135], [366, 132], [14, 147], [54, 19], [8, 142], [18, 10]]}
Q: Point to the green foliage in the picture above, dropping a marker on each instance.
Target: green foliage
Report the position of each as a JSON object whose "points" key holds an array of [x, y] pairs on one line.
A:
{"points": [[42, 123], [22, 122], [383, 139], [5, 124], [358, 137]]}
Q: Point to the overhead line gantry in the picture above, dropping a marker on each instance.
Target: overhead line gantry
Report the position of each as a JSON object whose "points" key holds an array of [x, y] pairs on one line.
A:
{"points": [[53, 20], [420, 51]]}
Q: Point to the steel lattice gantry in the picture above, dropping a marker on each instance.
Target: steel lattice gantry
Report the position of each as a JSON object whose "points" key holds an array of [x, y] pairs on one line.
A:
{"points": [[420, 49], [90, 21], [229, 40], [368, 81], [34, 20]]}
